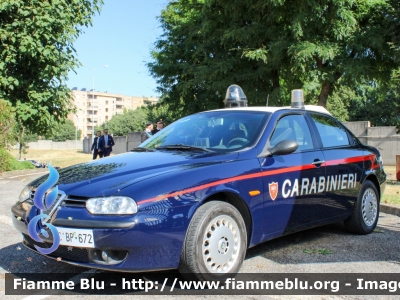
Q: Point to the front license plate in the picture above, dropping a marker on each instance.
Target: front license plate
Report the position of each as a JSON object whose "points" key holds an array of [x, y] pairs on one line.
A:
{"points": [[76, 237]]}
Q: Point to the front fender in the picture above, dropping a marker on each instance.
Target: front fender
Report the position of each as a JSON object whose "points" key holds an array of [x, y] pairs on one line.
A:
{"points": [[191, 187]]}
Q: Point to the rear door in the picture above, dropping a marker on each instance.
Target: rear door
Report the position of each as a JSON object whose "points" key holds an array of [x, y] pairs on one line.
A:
{"points": [[291, 182], [343, 162]]}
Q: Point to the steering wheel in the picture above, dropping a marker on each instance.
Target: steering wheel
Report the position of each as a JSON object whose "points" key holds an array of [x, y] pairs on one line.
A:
{"points": [[239, 141]]}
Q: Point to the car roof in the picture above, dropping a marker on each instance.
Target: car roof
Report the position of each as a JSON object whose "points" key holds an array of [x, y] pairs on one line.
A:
{"points": [[272, 109]]}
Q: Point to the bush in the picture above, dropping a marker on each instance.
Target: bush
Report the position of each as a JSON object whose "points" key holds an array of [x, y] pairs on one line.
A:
{"points": [[10, 163], [5, 160], [20, 165]]}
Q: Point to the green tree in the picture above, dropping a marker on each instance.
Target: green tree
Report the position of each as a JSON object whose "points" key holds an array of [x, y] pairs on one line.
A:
{"points": [[380, 106], [6, 124], [63, 132], [23, 136], [161, 111], [36, 54], [269, 48], [194, 64], [129, 121]]}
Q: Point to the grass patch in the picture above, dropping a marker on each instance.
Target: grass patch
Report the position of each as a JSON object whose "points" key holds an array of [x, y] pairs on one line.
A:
{"points": [[391, 194], [10, 163], [318, 251], [20, 165], [57, 158], [390, 172]]}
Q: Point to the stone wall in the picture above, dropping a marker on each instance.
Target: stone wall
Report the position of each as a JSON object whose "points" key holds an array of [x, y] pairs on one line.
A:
{"points": [[50, 145], [384, 138], [122, 143]]}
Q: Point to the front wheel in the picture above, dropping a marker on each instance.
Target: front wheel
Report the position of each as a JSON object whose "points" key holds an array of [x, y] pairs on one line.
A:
{"points": [[366, 210], [215, 243]]}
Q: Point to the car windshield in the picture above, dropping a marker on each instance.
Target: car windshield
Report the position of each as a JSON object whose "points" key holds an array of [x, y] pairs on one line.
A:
{"points": [[220, 131]]}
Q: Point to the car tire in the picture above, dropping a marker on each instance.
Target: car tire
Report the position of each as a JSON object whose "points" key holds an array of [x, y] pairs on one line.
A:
{"points": [[366, 210], [215, 243]]}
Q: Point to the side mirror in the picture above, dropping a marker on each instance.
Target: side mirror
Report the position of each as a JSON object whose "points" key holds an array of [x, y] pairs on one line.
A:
{"points": [[282, 148]]}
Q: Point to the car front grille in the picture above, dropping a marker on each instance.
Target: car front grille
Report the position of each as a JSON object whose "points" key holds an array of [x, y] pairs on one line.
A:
{"points": [[71, 201], [75, 201], [74, 254]]}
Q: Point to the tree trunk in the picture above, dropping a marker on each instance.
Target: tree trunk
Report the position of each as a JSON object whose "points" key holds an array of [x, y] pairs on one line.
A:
{"points": [[20, 143], [20, 150], [325, 91], [275, 79]]}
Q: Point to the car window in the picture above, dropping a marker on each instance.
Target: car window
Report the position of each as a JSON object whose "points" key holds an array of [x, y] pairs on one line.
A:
{"points": [[293, 127], [331, 132], [219, 131]]}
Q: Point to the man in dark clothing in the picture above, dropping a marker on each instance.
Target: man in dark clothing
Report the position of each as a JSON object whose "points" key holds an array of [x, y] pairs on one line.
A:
{"points": [[146, 133], [106, 143], [96, 146], [160, 125]]}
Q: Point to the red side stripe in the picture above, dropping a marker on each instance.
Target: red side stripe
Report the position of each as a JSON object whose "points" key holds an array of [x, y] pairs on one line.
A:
{"points": [[259, 174]]}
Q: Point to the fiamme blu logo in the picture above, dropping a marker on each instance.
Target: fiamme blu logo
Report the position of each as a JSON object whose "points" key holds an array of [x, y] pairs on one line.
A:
{"points": [[45, 196]]}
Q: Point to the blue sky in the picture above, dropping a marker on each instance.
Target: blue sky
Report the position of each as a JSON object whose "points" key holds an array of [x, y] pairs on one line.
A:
{"points": [[121, 37]]}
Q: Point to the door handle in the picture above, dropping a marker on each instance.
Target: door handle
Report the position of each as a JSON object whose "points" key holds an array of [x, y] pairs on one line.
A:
{"points": [[318, 162]]}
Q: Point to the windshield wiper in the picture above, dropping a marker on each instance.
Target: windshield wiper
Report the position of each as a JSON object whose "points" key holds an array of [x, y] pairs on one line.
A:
{"points": [[183, 147], [142, 149]]}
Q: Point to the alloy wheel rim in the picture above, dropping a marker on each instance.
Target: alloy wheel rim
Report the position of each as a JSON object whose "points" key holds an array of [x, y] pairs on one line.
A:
{"points": [[369, 207], [221, 244]]}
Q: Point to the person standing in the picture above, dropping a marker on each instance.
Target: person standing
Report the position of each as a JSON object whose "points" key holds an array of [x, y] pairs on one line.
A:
{"points": [[160, 126], [146, 133], [106, 143], [96, 146]]}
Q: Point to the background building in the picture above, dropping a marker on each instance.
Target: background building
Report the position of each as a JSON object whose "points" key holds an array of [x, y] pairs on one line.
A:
{"points": [[101, 106]]}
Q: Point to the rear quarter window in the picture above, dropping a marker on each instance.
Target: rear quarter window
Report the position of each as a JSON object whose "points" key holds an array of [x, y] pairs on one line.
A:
{"points": [[332, 133]]}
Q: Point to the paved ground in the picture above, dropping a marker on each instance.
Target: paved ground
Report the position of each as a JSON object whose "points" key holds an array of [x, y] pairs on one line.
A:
{"points": [[374, 253]]}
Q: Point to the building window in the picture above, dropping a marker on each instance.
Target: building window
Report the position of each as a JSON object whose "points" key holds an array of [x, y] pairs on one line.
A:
{"points": [[106, 117], [106, 109], [106, 101]]}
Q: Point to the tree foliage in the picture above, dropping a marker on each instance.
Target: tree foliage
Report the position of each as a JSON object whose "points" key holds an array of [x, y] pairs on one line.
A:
{"points": [[22, 136], [160, 111], [63, 132], [36, 54], [380, 107], [129, 121], [6, 123], [326, 47]]}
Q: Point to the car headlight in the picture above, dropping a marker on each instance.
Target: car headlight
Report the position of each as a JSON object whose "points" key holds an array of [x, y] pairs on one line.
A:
{"points": [[111, 206], [25, 194]]}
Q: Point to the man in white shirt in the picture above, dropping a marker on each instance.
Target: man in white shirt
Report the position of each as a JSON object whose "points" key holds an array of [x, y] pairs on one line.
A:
{"points": [[146, 133]]}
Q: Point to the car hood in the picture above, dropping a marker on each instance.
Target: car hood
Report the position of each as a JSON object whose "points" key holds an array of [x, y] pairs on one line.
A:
{"points": [[106, 176]]}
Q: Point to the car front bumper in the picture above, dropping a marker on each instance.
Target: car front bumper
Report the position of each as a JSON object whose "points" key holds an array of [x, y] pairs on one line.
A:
{"points": [[149, 241]]}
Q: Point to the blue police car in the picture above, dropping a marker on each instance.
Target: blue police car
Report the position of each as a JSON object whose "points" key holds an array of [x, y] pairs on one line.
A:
{"points": [[199, 193]]}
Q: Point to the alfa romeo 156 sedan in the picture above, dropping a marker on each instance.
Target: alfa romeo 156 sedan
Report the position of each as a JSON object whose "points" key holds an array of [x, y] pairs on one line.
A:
{"points": [[199, 193]]}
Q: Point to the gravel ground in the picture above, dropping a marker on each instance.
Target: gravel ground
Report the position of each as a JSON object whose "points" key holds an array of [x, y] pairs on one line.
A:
{"points": [[378, 252]]}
